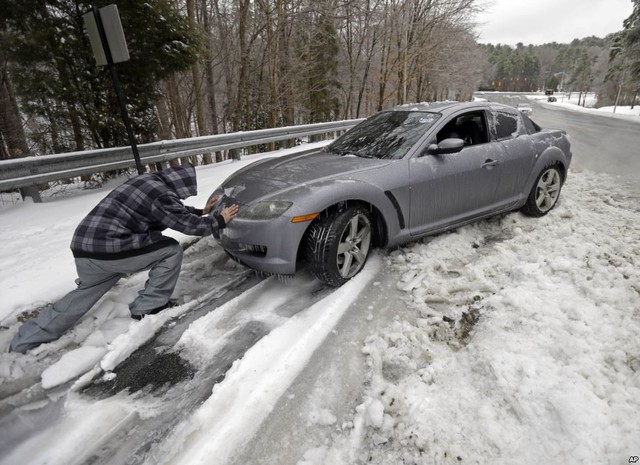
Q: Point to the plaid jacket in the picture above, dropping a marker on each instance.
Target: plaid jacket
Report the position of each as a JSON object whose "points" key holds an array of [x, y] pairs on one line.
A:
{"points": [[130, 220]]}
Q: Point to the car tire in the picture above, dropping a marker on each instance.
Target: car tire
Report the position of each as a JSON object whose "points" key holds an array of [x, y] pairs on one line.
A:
{"points": [[545, 192], [338, 245]]}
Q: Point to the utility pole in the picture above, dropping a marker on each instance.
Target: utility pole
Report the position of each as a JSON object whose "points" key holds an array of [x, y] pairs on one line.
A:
{"points": [[615, 105]]}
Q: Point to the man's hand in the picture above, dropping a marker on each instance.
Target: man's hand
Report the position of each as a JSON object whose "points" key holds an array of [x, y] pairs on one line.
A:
{"points": [[211, 204], [229, 213]]}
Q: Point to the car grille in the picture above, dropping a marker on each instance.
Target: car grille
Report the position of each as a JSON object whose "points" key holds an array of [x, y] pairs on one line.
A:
{"points": [[254, 249]]}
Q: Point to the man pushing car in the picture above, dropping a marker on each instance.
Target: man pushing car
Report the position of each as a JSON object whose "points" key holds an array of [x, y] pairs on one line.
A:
{"points": [[123, 235]]}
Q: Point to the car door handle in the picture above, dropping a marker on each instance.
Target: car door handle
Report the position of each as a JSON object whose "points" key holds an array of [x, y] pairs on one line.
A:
{"points": [[489, 163]]}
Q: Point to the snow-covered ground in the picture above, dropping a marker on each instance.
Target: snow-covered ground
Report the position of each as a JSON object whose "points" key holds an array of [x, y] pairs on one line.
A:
{"points": [[514, 340], [524, 343]]}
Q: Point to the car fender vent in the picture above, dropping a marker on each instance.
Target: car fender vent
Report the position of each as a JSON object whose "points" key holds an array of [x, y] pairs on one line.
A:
{"points": [[396, 205]]}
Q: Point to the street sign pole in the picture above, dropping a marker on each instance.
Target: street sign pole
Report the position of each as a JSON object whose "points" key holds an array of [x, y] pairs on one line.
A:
{"points": [[116, 85]]}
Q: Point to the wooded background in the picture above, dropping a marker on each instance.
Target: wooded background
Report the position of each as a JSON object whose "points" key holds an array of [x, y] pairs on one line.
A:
{"points": [[203, 67]]}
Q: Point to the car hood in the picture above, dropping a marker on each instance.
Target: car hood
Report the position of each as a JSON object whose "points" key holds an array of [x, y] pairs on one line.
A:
{"points": [[274, 176]]}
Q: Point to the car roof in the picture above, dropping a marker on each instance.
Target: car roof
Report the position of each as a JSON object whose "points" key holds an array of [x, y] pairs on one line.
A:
{"points": [[449, 107]]}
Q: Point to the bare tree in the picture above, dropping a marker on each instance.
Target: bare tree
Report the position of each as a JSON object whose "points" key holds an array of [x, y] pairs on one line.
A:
{"points": [[13, 142]]}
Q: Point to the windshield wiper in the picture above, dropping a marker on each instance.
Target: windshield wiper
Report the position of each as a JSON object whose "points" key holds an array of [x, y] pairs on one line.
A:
{"points": [[345, 153], [337, 151], [355, 154]]}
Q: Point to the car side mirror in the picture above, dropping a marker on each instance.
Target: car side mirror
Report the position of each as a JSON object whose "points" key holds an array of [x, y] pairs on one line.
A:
{"points": [[451, 145]]}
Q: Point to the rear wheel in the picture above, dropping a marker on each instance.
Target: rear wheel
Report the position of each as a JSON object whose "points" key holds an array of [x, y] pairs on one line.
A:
{"points": [[545, 192], [338, 246]]}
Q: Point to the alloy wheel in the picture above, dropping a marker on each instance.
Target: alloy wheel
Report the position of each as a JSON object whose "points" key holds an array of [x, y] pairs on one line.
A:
{"points": [[353, 247], [548, 190]]}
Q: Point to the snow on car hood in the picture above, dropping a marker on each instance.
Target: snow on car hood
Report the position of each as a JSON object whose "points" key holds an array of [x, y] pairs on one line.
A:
{"points": [[277, 175]]}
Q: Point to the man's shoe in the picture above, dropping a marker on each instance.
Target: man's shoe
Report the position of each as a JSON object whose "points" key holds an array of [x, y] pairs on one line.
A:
{"points": [[155, 311]]}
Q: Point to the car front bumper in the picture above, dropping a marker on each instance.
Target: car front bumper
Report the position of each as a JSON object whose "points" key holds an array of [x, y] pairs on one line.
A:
{"points": [[270, 246]]}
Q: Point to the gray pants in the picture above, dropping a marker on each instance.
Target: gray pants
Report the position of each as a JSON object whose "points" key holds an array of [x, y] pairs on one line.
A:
{"points": [[95, 278]]}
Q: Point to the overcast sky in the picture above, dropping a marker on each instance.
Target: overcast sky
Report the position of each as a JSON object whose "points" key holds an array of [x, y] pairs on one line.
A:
{"points": [[542, 21]]}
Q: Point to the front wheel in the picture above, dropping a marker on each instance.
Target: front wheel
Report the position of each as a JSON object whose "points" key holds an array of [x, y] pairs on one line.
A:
{"points": [[338, 246], [545, 192]]}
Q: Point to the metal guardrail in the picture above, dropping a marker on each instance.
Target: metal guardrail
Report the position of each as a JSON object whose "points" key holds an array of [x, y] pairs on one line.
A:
{"points": [[26, 172]]}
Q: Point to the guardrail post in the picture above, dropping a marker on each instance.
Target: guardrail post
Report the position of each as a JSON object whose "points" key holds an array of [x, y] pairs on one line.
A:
{"points": [[31, 191]]}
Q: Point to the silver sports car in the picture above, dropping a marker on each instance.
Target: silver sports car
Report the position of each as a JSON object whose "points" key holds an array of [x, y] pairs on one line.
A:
{"points": [[399, 175]]}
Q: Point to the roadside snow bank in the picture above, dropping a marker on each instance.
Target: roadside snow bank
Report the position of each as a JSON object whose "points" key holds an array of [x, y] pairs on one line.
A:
{"points": [[523, 347]]}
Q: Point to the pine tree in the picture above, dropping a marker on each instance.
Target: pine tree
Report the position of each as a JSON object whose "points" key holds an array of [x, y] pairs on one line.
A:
{"points": [[627, 44], [58, 83], [13, 141], [320, 56]]}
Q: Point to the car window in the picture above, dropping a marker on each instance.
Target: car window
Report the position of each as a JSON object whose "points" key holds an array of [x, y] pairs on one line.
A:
{"points": [[471, 127], [529, 125], [506, 125], [388, 134]]}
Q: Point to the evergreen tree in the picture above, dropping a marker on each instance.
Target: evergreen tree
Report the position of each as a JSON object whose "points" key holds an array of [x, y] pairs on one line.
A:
{"points": [[513, 69], [627, 45], [320, 57], [58, 83], [13, 141]]}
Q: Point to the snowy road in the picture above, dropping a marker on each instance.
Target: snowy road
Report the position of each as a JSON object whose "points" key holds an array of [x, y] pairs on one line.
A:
{"points": [[512, 340]]}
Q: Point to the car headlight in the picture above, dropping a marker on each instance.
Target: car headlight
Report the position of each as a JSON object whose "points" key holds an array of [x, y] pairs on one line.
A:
{"points": [[264, 210]]}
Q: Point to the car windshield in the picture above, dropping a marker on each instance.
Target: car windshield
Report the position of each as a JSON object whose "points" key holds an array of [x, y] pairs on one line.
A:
{"points": [[389, 134]]}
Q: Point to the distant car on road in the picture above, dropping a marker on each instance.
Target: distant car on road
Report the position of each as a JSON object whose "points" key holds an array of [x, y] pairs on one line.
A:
{"points": [[525, 108], [400, 175], [552, 99]]}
